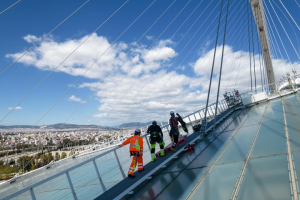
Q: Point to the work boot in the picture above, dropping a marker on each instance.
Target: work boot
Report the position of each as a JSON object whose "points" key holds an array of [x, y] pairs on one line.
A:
{"points": [[131, 176], [162, 152], [153, 157]]}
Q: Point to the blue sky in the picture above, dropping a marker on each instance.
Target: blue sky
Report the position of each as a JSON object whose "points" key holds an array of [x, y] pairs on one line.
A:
{"points": [[149, 94]]}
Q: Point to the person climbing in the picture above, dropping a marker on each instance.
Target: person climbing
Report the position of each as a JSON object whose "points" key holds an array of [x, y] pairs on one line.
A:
{"points": [[174, 133], [136, 150], [156, 136]]}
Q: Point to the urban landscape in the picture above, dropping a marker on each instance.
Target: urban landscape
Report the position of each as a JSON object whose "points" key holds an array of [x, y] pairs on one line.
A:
{"points": [[24, 149]]}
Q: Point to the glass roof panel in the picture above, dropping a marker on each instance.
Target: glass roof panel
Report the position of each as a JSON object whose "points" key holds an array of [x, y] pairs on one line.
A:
{"points": [[266, 178], [239, 147], [271, 139], [180, 187], [294, 130], [219, 182]]}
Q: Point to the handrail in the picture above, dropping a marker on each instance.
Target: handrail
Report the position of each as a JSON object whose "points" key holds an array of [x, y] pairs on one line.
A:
{"points": [[264, 86]]}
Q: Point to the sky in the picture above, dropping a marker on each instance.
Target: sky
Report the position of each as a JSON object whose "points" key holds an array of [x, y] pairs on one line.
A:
{"points": [[119, 61]]}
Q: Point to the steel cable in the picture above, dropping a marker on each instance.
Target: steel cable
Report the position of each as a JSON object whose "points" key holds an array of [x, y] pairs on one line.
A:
{"points": [[253, 51], [9, 8], [289, 23], [220, 73], [240, 55], [249, 43], [185, 56], [233, 61], [212, 70], [270, 27], [192, 58], [284, 29]]}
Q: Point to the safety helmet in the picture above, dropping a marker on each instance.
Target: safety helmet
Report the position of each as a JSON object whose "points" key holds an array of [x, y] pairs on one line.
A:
{"points": [[137, 131], [154, 123], [172, 113]]}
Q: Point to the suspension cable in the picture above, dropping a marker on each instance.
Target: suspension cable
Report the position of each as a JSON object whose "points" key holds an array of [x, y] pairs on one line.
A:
{"points": [[43, 39], [220, 75], [197, 51], [258, 42], [271, 32], [240, 58], [199, 48], [290, 24], [249, 42], [198, 41], [232, 66], [212, 70], [284, 29], [202, 61], [10, 7], [275, 38], [289, 14], [241, 46], [253, 50], [297, 3], [277, 32]]}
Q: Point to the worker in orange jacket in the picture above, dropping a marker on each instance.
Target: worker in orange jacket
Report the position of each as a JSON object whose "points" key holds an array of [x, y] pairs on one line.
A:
{"points": [[136, 150]]}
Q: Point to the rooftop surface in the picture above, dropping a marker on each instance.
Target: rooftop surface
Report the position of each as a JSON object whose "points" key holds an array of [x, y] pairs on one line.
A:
{"points": [[248, 158]]}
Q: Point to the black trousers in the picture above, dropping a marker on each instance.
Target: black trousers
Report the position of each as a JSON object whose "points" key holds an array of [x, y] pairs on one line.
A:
{"points": [[175, 138], [174, 135], [154, 140]]}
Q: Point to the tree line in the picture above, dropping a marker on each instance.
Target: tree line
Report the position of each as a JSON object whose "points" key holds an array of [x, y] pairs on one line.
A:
{"points": [[9, 169]]}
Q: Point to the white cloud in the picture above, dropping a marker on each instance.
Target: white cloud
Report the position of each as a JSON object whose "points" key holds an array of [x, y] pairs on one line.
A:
{"points": [[149, 37], [31, 38], [148, 92], [50, 53], [73, 98], [17, 108]]}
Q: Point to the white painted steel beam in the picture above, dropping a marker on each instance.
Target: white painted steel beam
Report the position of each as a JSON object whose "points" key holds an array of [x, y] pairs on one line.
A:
{"points": [[261, 24]]}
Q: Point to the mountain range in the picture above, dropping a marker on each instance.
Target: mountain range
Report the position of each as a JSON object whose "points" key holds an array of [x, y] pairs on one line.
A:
{"points": [[129, 125]]}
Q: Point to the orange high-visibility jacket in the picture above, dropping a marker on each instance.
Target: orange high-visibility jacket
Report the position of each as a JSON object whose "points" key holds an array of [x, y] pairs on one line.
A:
{"points": [[136, 143]]}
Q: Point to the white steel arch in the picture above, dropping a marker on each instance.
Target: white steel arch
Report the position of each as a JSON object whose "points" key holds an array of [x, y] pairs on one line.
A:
{"points": [[258, 12]]}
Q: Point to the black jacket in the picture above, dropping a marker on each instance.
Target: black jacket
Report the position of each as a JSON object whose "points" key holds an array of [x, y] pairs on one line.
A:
{"points": [[154, 129]]}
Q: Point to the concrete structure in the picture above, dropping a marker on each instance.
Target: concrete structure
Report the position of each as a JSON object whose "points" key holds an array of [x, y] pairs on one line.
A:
{"points": [[258, 12]]}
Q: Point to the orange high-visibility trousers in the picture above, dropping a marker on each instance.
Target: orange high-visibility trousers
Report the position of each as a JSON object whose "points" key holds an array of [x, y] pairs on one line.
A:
{"points": [[136, 161]]}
